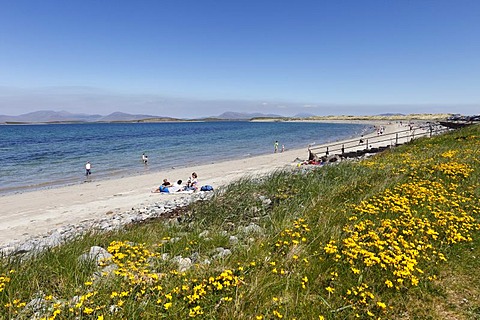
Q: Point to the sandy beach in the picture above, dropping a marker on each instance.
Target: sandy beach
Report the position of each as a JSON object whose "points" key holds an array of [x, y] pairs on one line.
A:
{"points": [[35, 213]]}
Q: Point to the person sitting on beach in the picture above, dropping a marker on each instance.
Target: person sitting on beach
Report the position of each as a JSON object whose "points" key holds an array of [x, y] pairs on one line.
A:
{"points": [[166, 183], [192, 183], [164, 187], [311, 155], [176, 187]]}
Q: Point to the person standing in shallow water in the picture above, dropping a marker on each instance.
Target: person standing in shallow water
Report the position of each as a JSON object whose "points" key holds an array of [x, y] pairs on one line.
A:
{"points": [[275, 147], [144, 158], [88, 169]]}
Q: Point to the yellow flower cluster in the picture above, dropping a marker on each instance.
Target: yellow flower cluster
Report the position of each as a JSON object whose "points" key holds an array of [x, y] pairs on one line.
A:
{"points": [[4, 279], [449, 154], [331, 247], [399, 232], [130, 258], [15, 305], [454, 170], [135, 280], [292, 237], [284, 193], [225, 280]]}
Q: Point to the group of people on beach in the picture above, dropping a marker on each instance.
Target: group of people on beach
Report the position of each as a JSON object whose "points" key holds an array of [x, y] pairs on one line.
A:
{"points": [[380, 130], [275, 147], [312, 157], [167, 187]]}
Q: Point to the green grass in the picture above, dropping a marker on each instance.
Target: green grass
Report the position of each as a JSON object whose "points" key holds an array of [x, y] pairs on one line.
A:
{"points": [[393, 237]]}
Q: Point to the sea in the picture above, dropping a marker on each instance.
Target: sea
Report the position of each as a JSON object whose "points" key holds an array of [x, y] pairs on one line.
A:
{"points": [[41, 156]]}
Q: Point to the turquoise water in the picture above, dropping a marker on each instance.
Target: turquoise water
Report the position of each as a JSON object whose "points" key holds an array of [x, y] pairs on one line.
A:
{"points": [[39, 156]]}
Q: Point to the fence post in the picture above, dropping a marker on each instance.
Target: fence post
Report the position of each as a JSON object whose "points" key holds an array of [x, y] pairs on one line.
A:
{"points": [[326, 153], [396, 139], [343, 149], [366, 145]]}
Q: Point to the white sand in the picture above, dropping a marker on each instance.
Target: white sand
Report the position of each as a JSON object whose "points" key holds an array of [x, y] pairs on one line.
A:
{"points": [[35, 213]]}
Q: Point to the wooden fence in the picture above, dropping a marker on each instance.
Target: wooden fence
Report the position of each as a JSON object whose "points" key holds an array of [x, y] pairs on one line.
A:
{"points": [[375, 143]]}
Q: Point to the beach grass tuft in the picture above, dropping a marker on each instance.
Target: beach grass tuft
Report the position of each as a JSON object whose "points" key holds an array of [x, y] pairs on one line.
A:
{"points": [[395, 236]]}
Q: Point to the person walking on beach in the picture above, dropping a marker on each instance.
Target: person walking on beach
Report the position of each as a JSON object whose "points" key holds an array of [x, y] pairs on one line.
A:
{"points": [[275, 147], [144, 158], [88, 168]]}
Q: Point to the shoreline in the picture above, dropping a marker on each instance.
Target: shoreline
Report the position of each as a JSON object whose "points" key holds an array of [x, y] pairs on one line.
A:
{"points": [[36, 213], [110, 164]]}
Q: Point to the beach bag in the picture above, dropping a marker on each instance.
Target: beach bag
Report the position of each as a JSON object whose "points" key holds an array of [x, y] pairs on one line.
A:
{"points": [[206, 188]]}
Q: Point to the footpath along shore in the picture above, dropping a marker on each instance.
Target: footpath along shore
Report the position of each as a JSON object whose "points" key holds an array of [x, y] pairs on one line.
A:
{"points": [[43, 213]]}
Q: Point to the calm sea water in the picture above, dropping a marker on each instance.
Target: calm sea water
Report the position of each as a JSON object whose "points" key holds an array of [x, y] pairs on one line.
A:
{"points": [[40, 156]]}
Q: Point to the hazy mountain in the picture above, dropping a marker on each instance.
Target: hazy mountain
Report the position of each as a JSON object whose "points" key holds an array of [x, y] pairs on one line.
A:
{"points": [[49, 116], [304, 115], [121, 116], [79, 116], [45, 116], [64, 116], [245, 116]]}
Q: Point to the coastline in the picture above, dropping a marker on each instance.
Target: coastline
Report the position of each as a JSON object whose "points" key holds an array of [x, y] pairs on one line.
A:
{"points": [[31, 165], [35, 213]]}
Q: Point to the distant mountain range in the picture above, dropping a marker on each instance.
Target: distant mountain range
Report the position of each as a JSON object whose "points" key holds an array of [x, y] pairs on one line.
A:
{"points": [[47, 116], [245, 116], [64, 116]]}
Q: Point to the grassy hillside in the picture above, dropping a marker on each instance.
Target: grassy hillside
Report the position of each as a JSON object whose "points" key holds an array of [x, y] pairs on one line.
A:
{"points": [[393, 237]]}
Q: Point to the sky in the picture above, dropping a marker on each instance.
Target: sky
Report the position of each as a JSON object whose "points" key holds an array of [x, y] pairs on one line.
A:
{"points": [[198, 58]]}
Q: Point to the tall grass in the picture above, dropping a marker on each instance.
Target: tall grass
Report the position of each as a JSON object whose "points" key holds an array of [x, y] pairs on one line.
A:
{"points": [[394, 237]]}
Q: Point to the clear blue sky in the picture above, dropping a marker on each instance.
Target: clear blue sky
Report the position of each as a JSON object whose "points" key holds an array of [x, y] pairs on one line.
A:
{"points": [[199, 58]]}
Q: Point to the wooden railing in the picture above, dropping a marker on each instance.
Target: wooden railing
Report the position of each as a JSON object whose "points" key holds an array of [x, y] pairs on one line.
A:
{"points": [[377, 143]]}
